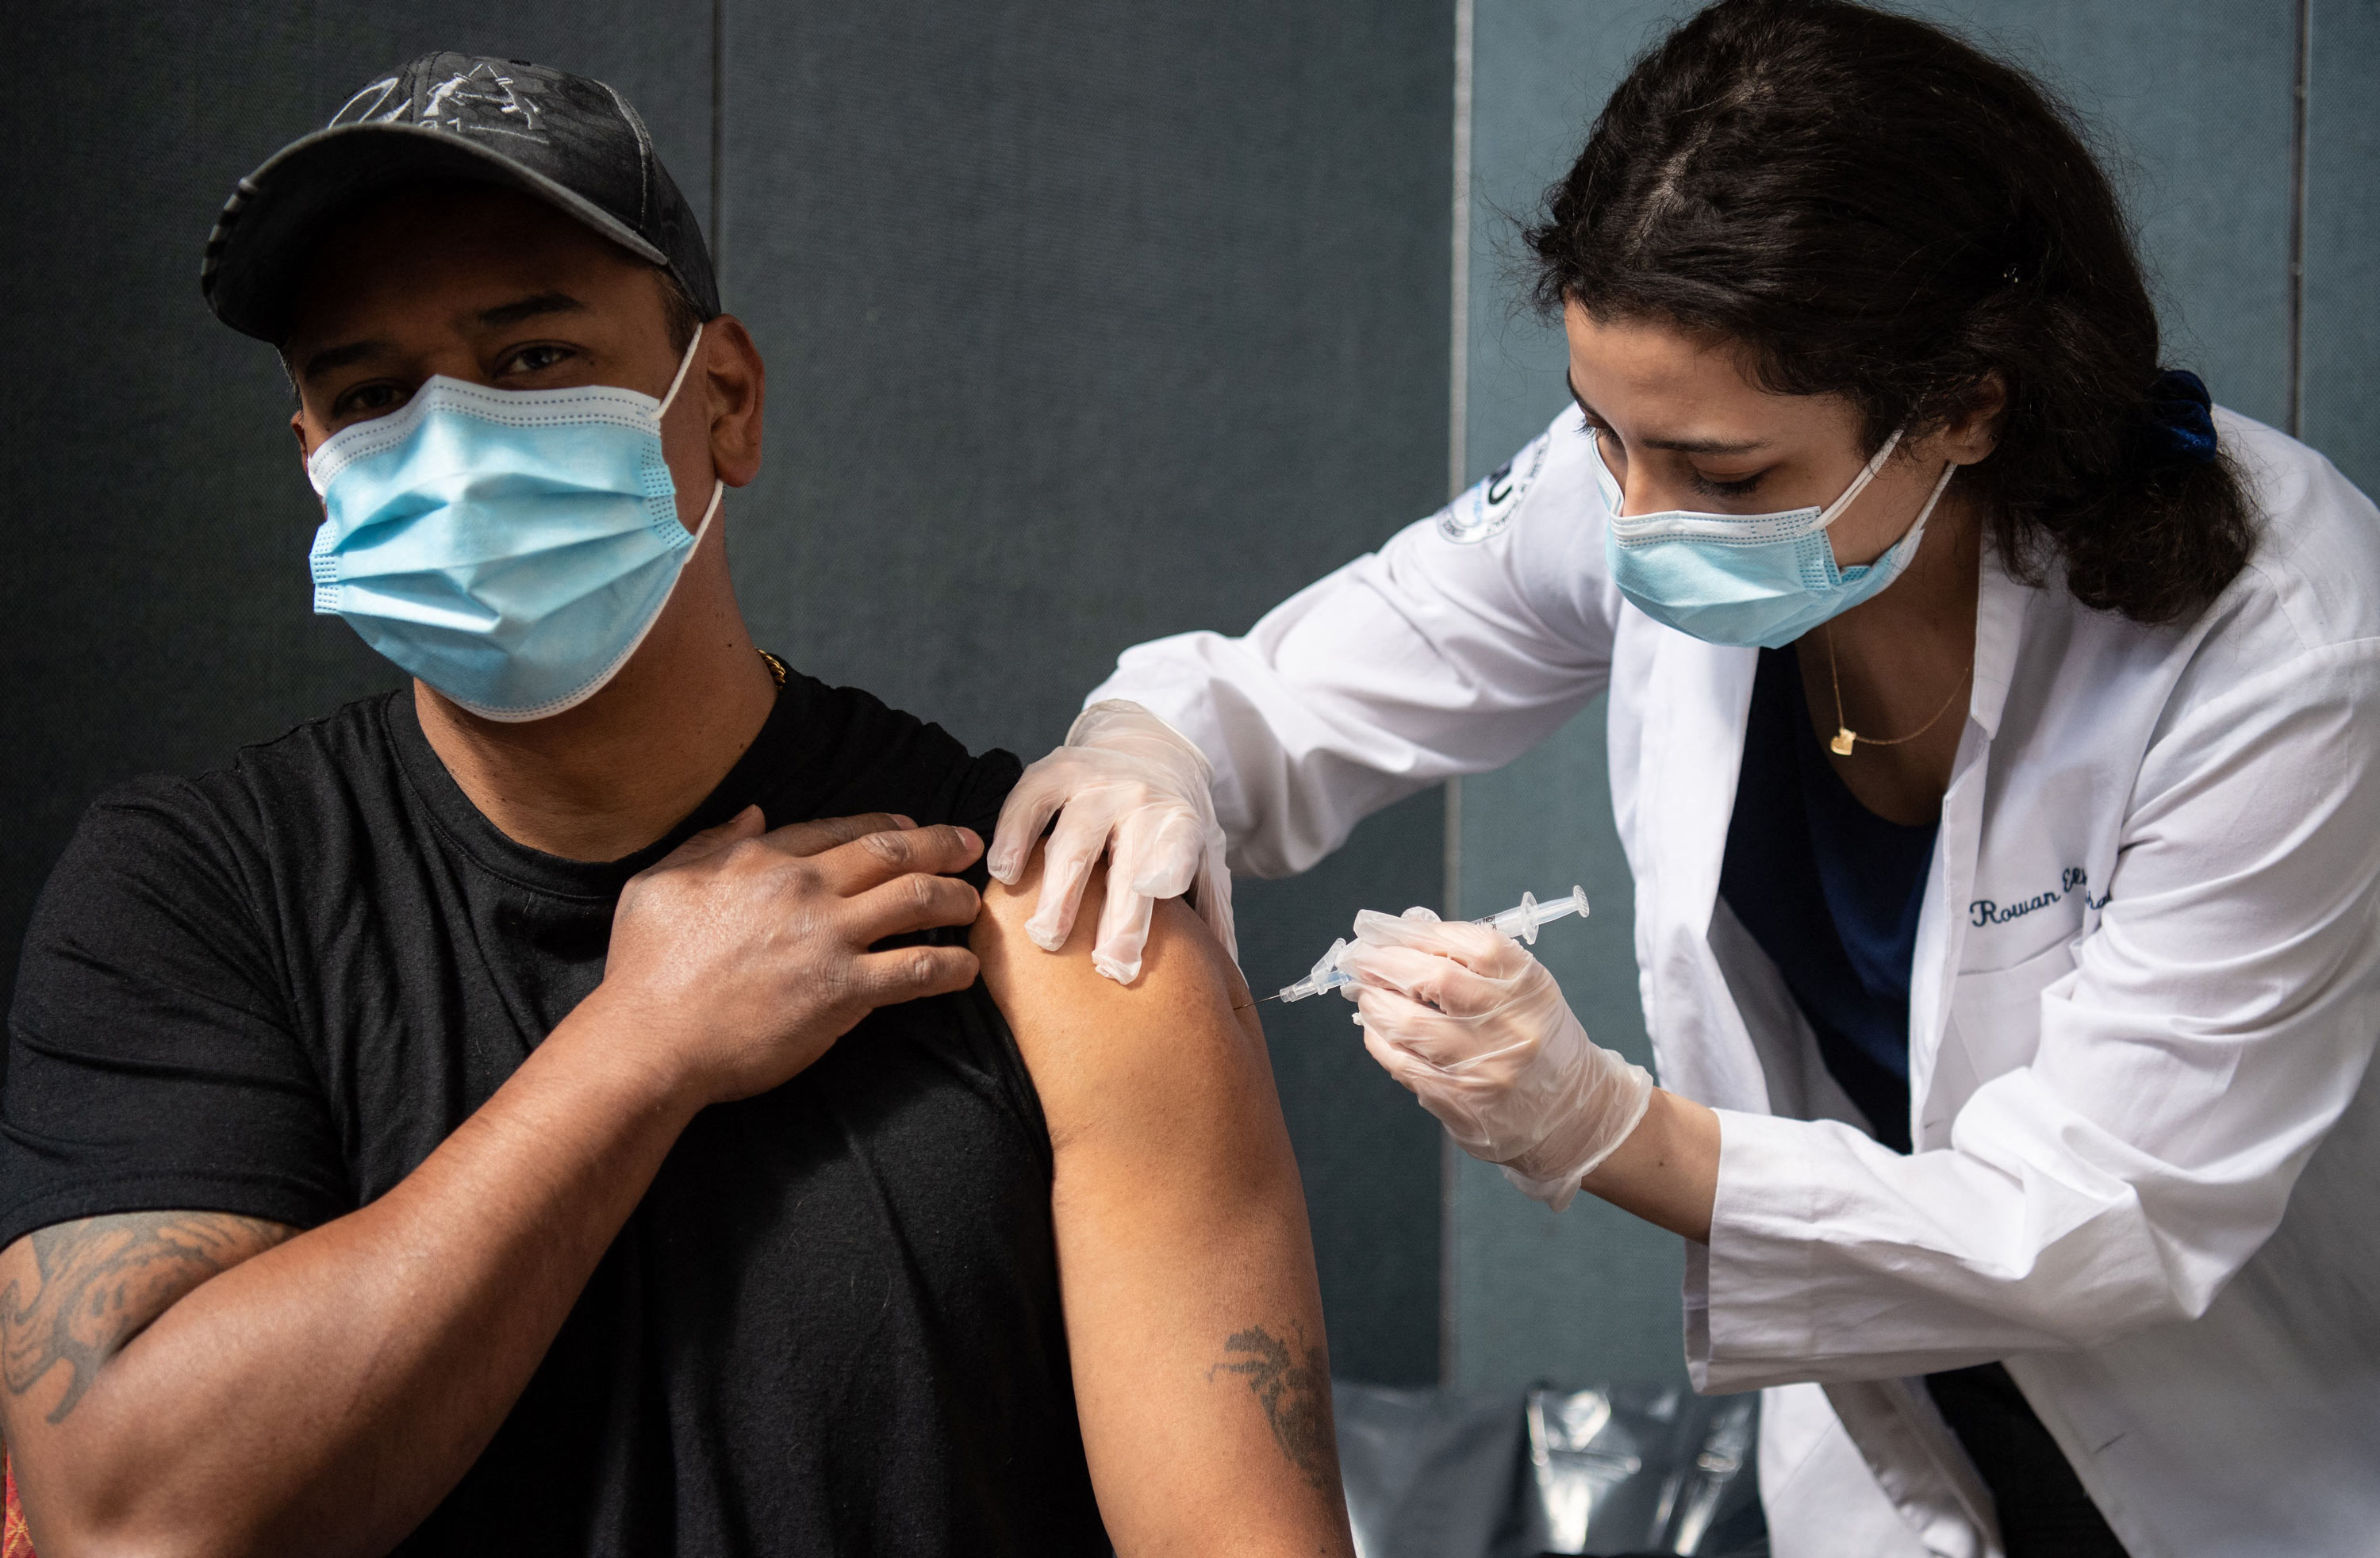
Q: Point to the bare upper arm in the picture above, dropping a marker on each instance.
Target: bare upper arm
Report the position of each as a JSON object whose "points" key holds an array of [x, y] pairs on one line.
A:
{"points": [[1192, 1310], [1177, 1051], [74, 1293]]}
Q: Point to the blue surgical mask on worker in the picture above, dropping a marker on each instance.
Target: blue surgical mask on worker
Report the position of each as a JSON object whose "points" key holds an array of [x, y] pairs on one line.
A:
{"points": [[511, 548], [1748, 578]]}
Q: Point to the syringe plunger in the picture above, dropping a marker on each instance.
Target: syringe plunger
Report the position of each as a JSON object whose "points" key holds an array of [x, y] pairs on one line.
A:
{"points": [[1522, 920]]}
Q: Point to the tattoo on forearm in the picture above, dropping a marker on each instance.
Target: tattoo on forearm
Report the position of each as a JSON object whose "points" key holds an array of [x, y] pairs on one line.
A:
{"points": [[100, 1283], [1295, 1395]]}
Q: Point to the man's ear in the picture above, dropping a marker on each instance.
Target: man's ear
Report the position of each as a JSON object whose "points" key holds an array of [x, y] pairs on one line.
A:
{"points": [[736, 384], [297, 431], [296, 399]]}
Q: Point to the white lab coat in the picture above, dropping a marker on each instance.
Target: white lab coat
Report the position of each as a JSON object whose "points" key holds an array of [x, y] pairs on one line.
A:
{"points": [[2144, 996]]}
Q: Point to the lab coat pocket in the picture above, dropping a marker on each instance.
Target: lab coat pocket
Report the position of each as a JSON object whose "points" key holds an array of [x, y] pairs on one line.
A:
{"points": [[1995, 1027]]}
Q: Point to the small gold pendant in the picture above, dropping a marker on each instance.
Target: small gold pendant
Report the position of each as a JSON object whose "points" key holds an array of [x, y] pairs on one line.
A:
{"points": [[1842, 743]]}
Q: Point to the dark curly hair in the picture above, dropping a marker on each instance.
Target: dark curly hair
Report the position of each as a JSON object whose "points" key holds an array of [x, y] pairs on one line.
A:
{"points": [[1878, 209]]}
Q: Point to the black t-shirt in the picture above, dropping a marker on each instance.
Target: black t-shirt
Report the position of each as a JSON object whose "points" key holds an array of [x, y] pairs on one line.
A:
{"points": [[833, 1324]]}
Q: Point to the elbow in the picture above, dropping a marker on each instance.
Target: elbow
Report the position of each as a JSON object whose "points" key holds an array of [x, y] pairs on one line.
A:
{"points": [[2102, 1321], [85, 1522], [76, 1534], [2151, 1308], [55, 1534], [2098, 1297], [135, 1540]]}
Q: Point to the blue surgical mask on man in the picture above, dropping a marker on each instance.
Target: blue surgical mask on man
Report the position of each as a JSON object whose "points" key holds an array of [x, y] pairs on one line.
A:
{"points": [[512, 548], [1748, 578]]}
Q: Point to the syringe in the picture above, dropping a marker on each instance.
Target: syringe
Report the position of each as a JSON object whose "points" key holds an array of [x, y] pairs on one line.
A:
{"points": [[1520, 923]]}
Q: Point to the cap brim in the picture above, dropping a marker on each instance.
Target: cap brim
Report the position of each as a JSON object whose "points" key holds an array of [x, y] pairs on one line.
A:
{"points": [[261, 243]]}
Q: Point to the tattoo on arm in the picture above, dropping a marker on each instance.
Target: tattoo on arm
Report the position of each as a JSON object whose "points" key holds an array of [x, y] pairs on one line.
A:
{"points": [[1295, 1395], [99, 1282]]}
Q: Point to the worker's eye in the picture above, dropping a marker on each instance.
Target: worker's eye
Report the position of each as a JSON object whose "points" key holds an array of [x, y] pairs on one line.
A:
{"points": [[1712, 486], [376, 398], [534, 359], [1606, 443]]}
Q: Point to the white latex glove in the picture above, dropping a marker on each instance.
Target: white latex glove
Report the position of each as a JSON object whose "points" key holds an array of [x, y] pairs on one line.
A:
{"points": [[1129, 785], [1478, 1031]]}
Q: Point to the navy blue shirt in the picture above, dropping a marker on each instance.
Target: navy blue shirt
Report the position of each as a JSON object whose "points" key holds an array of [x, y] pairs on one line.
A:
{"points": [[1831, 892]]}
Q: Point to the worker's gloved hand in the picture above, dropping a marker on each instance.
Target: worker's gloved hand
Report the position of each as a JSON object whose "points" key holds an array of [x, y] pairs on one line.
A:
{"points": [[1479, 1032], [1130, 786]]}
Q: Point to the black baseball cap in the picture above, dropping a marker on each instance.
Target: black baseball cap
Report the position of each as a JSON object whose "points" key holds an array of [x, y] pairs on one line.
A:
{"points": [[564, 139]]}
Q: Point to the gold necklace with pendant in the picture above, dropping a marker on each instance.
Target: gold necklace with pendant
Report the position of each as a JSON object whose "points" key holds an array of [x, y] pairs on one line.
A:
{"points": [[1845, 738]]}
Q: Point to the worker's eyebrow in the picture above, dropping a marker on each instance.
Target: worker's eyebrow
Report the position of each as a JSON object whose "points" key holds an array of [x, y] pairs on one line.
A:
{"points": [[330, 359], [535, 307], [1683, 446]]}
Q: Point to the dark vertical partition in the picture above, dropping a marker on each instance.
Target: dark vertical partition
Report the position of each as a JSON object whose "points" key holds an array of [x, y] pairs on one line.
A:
{"points": [[1086, 323]]}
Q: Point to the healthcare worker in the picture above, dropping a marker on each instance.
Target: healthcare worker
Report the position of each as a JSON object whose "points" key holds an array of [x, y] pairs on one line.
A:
{"points": [[1993, 729]]}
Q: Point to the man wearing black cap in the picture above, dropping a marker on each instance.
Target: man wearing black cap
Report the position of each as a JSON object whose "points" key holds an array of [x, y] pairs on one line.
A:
{"points": [[554, 1107]]}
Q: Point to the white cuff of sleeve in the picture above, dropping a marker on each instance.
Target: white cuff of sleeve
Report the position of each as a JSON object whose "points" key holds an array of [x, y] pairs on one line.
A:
{"points": [[1752, 1313]]}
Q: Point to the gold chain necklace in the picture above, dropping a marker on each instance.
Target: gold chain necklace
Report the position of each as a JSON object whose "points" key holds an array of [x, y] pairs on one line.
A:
{"points": [[1846, 739], [777, 668]]}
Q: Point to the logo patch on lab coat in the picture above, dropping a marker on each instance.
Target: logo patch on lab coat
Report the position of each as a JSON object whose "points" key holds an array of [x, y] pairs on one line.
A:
{"points": [[1486, 509]]}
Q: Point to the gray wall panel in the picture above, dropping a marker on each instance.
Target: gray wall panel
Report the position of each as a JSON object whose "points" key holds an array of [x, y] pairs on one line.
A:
{"points": [[1086, 325], [2193, 104], [1541, 70], [2342, 240], [156, 600], [1592, 1294]]}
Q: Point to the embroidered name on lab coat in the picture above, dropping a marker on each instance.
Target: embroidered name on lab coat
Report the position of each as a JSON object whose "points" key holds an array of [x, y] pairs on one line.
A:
{"points": [[2071, 881]]}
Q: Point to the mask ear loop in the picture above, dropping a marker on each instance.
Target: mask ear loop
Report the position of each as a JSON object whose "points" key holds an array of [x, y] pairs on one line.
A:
{"points": [[1859, 482], [719, 491], [717, 487], [1901, 554], [1949, 468], [687, 361]]}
